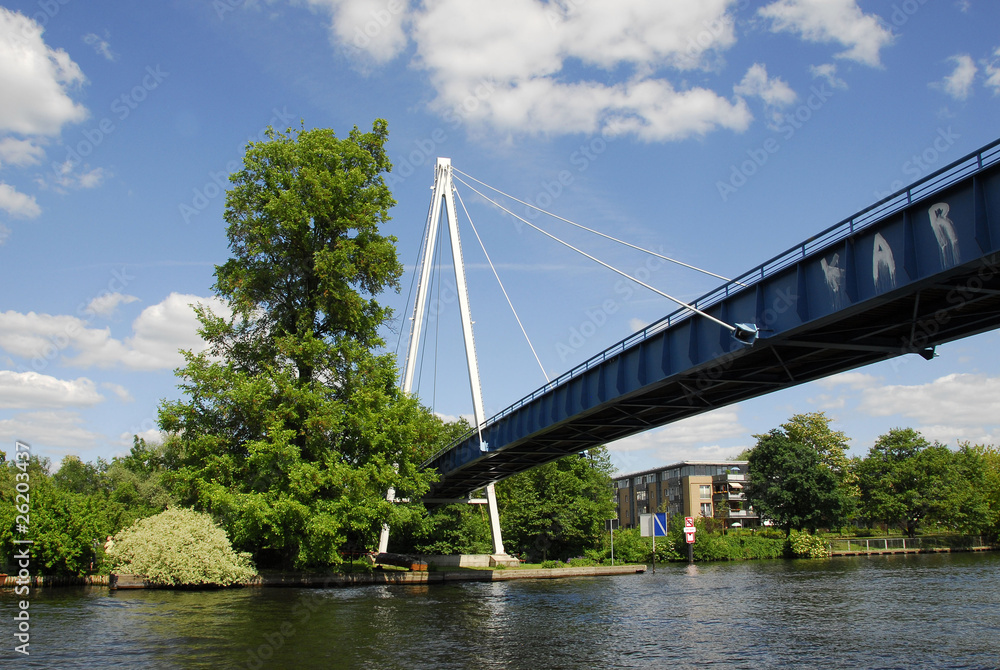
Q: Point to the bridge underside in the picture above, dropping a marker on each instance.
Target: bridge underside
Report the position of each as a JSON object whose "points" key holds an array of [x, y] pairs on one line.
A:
{"points": [[922, 275]]}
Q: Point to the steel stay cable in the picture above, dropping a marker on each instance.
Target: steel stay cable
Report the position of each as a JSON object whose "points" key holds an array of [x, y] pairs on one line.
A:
{"points": [[597, 232], [600, 262], [511, 304]]}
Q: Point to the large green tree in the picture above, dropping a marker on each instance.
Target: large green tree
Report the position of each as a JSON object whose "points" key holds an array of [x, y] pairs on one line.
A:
{"points": [[906, 481], [789, 483], [292, 426]]}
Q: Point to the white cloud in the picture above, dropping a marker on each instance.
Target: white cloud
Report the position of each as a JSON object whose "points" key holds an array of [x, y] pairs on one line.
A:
{"points": [[101, 46], [993, 72], [34, 80], [151, 436], [31, 390], [60, 432], [368, 29], [955, 399], [17, 204], [856, 380], [20, 152], [832, 21], [157, 334], [696, 438], [72, 175], [510, 66], [828, 71], [774, 92], [123, 393], [105, 304], [959, 83]]}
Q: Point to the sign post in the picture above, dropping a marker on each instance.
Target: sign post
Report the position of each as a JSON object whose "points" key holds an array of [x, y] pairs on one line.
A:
{"points": [[653, 525], [689, 531], [610, 525]]}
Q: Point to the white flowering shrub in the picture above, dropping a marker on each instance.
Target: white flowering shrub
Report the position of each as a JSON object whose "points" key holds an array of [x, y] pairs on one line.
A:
{"points": [[179, 547]]}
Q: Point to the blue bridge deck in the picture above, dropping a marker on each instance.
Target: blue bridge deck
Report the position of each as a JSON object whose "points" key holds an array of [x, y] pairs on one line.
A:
{"points": [[915, 270]]}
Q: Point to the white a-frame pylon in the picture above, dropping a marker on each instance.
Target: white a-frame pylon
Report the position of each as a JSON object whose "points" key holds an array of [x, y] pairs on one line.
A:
{"points": [[444, 193]]}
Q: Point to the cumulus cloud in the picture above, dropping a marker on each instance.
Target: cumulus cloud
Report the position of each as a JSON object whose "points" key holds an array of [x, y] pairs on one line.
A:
{"points": [[956, 399], [157, 334], [526, 66], [60, 432], [31, 390], [773, 92], [368, 29], [824, 21], [123, 393], [958, 84], [18, 205], [35, 80], [19, 152], [106, 303]]}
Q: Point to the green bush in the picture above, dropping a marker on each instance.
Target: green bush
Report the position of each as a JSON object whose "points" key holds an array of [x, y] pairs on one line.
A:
{"points": [[581, 562], [804, 545], [179, 547], [552, 564]]}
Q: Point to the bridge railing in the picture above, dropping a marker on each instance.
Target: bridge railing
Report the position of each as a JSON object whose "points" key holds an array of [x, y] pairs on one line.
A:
{"points": [[950, 174]]}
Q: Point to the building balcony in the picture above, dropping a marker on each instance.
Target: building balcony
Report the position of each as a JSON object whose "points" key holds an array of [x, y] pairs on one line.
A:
{"points": [[729, 496], [729, 477], [735, 514]]}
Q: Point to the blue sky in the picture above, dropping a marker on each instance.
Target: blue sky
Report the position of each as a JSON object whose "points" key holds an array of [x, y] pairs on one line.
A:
{"points": [[634, 117]]}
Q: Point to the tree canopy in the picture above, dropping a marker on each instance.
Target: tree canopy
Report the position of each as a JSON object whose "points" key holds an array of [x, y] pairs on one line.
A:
{"points": [[292, 427], [789, 484]]}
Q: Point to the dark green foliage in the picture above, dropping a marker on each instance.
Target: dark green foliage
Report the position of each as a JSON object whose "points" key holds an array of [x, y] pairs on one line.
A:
{"points": [[789, 484], [74, 510], [557, 509], [451, 529], [907, 482]]}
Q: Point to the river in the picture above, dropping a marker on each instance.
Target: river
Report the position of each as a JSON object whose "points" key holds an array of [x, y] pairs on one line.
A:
{"points": [[913, 611]]}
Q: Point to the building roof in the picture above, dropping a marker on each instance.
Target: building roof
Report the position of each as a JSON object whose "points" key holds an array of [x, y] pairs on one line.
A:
{"points": [[676, 465]]}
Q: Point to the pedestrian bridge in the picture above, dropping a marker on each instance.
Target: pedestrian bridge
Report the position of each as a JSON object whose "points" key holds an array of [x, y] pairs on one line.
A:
{"points": [[915, 270]]}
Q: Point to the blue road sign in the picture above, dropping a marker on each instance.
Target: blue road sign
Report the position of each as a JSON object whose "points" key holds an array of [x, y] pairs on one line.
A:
{"points": [[660, 524]]}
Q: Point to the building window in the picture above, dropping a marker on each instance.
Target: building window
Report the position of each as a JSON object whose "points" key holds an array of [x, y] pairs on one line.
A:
{"points": [[640, 495], [651, 479], [706, 509], [705, 491]]}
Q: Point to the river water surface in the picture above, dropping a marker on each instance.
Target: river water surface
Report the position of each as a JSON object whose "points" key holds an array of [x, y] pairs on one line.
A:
{"points": [[916, 611]]}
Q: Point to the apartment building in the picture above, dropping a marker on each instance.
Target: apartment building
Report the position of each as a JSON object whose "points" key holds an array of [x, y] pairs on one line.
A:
{"points": [[688, 488]]}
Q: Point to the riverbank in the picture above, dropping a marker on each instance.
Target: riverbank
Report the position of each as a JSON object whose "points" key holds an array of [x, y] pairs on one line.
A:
{"points": [[314, 580]]}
